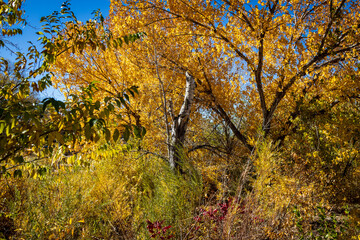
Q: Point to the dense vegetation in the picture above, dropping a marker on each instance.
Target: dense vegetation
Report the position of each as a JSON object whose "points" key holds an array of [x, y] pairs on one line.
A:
{"points": [[183, 120]]}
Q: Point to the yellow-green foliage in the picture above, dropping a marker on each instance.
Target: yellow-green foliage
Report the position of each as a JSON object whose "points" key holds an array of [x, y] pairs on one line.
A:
{"points": [[111, 191], [289, 203], [108, 193], [164, 195], [73, 202]]}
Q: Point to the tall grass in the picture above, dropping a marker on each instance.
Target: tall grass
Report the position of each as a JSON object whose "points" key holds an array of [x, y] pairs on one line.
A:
{"points": [[108, 193], [120, 192]]}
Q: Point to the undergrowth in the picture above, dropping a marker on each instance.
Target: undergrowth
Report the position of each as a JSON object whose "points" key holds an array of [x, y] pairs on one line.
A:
{"points": [[119, 192]]}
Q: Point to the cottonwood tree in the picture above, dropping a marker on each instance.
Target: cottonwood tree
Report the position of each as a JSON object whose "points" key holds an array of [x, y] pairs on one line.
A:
{"points": [[179, 125], [257, 65]]}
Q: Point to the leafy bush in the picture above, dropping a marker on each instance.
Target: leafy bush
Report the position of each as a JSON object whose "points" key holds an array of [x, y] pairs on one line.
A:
{"points": [[108, 193]]}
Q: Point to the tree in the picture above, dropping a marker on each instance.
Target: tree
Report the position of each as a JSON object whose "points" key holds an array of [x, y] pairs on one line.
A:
{"points": [[11, 15], [258, 63], [179, 126], [32, 125]]}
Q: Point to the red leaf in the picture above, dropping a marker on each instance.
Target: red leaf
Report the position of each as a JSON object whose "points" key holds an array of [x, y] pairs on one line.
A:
{"points": [[166, 228]]}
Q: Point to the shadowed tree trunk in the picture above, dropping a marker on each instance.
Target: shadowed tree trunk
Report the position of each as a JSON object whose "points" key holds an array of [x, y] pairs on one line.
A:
{"points": [[179, 125]]}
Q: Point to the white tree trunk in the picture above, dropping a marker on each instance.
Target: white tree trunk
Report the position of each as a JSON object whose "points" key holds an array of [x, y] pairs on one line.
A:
{"points": [[179, 125]]}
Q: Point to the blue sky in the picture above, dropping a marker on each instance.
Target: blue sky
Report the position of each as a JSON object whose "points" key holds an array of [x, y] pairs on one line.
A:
{"points": [[35, 9]]}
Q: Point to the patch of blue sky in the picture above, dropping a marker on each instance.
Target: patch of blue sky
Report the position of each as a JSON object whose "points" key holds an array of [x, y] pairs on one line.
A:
{"points": [[34, 10]]}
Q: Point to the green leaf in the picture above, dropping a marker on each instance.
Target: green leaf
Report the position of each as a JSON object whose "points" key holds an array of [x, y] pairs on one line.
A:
{"points": [[143, 132], [131, 92], [7, 130], [118, 103], [97, 105], [87, 131], [46, 102], [19, 159], [107, 134], [56, 105], [17, 173], [139, 131], [107, 99], [61, 104], [92, 122], [122, 100], [2, 126], [41, 171], [110, 107], [116, 135], [135, 89], [12, 123], [126, 134]]}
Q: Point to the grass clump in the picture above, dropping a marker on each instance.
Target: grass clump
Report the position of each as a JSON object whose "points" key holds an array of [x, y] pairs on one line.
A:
{"points": [[110, 198]]}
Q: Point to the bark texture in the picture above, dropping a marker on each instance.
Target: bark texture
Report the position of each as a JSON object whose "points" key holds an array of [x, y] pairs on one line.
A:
{"points": [[179, 125]]}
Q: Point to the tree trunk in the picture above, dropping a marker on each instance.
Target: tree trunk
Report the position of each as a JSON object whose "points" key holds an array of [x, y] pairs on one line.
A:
{"points": [[179, 125]]}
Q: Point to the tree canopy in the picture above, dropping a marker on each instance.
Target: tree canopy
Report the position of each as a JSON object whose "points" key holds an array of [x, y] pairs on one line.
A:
{"points": [[258, 65], [227, 119]]}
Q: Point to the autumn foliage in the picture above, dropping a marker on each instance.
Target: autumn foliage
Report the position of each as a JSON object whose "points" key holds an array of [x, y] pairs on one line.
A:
{"points": [[269, 147]]}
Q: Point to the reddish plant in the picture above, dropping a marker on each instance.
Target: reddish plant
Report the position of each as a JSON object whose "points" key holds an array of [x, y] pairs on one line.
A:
{"points": [[157, 230], [214, 218]]}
